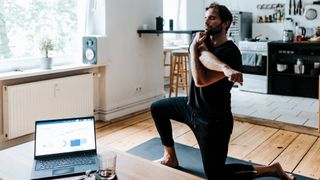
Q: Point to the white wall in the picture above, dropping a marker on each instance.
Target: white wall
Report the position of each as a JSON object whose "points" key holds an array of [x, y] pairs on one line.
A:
{"points": [[133, 62], [195, 14]]}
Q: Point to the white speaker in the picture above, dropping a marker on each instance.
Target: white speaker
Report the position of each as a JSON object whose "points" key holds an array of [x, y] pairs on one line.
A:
{"points": [[93, 48]]}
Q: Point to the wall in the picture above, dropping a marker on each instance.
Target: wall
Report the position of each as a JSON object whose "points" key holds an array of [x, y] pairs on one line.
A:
{"points": [[134, 72], [195, 14]]}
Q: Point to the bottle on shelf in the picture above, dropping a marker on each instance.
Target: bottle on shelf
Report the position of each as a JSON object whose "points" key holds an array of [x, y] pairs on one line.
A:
{"points": [[299, 67]]}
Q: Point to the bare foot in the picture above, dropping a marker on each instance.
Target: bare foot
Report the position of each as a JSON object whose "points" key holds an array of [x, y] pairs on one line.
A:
{"points": [[274, 169], [168, 161], [279, 172]]}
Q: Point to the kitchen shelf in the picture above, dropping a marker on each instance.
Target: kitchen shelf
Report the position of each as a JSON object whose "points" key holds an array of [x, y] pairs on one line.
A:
{"points": [[294, 75], [167, 31], [289, 83]]}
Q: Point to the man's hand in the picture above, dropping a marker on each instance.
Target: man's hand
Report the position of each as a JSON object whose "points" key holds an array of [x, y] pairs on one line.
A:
{"points": [[199, 39], [233, 75]]}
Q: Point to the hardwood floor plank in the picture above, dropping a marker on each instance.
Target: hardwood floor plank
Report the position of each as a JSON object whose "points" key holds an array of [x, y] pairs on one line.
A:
{"points": [[187, 139], [239, 128], [293, 154], [124, 132], [109, 128], [271, 148], [135, 139], [179, 129], [310, 164], [248, 141]]}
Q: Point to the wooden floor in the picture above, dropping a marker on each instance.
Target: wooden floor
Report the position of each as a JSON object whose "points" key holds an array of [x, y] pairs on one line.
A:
{"points": [[297, 153]]}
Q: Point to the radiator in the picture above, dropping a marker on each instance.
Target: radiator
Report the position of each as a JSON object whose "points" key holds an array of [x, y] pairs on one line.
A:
{"points": [[65, 97]]}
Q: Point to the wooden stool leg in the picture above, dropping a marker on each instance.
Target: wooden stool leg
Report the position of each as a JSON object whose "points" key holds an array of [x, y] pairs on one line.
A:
{"points": [[172, 68], [186, 74], [178, 74]]}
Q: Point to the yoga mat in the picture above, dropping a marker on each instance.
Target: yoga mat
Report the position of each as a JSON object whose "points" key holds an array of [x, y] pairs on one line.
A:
{"points": [[189, 158]]}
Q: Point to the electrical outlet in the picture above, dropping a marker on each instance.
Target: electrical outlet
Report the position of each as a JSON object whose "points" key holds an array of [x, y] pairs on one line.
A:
{"points": [[138, 89]]}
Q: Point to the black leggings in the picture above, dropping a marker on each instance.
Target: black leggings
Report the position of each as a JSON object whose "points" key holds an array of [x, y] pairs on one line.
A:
{"points": [[212, 134]]}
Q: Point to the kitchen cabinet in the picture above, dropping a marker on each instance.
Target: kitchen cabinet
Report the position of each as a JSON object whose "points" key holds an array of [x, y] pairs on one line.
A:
{"points": [[283, 79]]}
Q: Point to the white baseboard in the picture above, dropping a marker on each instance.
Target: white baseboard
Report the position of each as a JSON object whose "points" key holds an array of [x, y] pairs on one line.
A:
{"points": [[126, 109]]}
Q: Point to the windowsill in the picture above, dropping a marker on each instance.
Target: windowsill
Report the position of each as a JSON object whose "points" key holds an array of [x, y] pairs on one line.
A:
{"points": [[38, 71]]}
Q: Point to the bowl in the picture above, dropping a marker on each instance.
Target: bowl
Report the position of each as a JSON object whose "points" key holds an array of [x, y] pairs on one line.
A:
{"points": [[282, 67]]}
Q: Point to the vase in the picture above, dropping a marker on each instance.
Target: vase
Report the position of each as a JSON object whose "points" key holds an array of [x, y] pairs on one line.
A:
{"points": [[46, 63]]}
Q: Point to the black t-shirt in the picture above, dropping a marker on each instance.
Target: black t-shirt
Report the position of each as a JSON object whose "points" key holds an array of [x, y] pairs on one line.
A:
{"points": [[215, 99]]}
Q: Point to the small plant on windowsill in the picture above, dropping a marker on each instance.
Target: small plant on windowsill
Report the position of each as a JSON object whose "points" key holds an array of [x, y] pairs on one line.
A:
{"points": [[46, 45]]}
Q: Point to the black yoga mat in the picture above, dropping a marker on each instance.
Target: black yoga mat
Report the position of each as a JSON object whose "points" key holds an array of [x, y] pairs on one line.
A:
{"points": [[189, 158]]}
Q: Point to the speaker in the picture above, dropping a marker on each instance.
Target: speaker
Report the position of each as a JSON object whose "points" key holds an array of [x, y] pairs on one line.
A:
{"points": [[93, 49]]}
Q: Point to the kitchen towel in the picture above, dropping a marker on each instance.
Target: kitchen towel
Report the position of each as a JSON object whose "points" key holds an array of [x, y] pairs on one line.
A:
{"points": [[249, 59]]}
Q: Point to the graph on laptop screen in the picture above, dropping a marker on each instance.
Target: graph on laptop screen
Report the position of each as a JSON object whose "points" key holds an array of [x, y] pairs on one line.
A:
{"points": [[70, 135]]}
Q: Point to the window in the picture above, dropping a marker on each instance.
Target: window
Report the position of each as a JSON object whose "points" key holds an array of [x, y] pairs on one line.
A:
{"points": [[24, 23], [176, 10]]}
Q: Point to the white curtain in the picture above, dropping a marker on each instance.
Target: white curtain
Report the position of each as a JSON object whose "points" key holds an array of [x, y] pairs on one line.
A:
{"points": [[95, 17]]}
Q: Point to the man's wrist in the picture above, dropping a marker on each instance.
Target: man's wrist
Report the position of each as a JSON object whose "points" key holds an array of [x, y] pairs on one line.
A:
{"points": [[225, 68]]}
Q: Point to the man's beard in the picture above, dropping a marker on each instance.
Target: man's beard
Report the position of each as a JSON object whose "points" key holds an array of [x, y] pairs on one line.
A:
{"points": [[216, 30]]}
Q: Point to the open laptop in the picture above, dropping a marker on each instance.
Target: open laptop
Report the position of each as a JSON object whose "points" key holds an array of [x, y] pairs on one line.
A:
{"points": [[64, 147]]}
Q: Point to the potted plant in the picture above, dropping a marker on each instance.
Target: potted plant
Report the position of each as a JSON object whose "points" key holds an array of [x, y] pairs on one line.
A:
{"points": [[46, 45]]}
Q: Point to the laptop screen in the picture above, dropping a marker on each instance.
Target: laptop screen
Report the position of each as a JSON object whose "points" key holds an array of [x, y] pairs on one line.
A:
{"points": [[64, 136]]}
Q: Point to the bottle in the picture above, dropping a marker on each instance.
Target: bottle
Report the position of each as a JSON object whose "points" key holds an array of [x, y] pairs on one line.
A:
{"points": [[299, 67]]}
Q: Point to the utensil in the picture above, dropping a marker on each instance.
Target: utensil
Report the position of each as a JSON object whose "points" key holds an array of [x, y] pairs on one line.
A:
{"points": [[310, 13], [294, 7], [290, 3], [300, 30], [299, 7]]}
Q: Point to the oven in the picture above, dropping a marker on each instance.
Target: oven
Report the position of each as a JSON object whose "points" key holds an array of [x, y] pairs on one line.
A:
{"points": [[254, 66]]}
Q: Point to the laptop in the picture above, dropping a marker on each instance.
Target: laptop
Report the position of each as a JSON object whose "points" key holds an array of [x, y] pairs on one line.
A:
{"points": [[64, 147]]}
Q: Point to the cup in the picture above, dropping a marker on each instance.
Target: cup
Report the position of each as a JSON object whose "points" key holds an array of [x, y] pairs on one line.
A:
{"points": [[145, 26], [107, 169]]}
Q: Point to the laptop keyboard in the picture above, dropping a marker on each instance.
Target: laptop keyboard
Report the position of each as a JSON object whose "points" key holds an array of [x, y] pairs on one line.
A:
{"points": [[66, 161]]}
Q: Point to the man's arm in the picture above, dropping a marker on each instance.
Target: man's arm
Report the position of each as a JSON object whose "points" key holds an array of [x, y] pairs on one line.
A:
{"points": [[207, 68], [211, 62]]}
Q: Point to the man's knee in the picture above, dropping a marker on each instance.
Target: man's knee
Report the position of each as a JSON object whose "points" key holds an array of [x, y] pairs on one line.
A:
{"points": [[154, 106]]}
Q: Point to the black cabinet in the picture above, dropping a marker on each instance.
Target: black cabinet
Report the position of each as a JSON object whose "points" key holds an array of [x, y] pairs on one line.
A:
{"points": [[283, 78]]}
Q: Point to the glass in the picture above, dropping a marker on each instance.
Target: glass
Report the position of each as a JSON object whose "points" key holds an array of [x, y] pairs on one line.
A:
{"points": [[107, 169]]}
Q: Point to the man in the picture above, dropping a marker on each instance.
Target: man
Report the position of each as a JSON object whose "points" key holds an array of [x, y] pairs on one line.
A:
{"points": [[215, 66]]}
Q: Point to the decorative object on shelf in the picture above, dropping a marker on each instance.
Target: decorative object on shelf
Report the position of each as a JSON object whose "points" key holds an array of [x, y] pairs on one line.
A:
{"points": [[299, 67], [171, 24], [159, 23], [46, 45], [145, 26], [315, 70], [282, 67]]}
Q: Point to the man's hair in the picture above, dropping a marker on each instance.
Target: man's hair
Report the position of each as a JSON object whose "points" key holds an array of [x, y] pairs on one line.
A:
{"points": [[223, 12]]}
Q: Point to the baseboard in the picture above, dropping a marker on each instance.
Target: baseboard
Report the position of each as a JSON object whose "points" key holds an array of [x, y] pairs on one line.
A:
{"points": [[123, 110], [277, 124]]}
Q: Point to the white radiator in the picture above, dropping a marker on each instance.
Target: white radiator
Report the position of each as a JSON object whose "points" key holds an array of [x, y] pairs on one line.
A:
{"points": [[65, 97]]}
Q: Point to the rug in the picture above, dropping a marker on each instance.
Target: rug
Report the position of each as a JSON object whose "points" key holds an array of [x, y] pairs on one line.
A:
{"points": [[189, 158]]}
